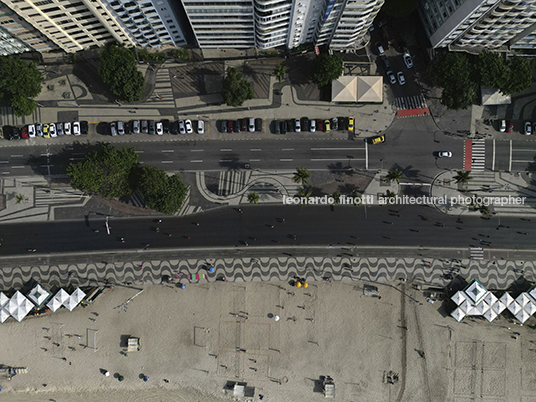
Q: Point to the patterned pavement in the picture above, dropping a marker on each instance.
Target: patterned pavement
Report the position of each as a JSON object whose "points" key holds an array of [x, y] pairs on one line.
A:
{"points": [[497, 274]]}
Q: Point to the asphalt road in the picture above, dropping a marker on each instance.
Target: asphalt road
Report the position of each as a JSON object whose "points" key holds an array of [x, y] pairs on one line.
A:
{"points": [[409, 226]]}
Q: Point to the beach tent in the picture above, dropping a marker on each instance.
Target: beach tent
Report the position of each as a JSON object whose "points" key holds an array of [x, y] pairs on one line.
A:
{"points": [[514, 308], [490, 315], [458, 297], [458, 314], [507, 299], [38, 295], [57, 301], [4, 314], [3, 299], [522, 315], [74, 299], [19, 306], [498, 307]]}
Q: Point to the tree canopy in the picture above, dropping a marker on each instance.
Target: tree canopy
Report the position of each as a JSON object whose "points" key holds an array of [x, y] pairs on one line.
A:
{"points": [[280, 71], [107, 171], [328, 68], [163, 193], [118, 69], [236, 89], [20, 82], [453, 72], [301, 175], [509, 76]]}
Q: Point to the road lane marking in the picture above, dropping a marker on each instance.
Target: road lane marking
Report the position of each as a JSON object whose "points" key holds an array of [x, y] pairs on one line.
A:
{"points": [[139, 152], [4, 161], [337, 159], [17, 156], [197, 161], [166, 161], [5, 172], [337, 149], [18, 167], [254, 160], [286, 160], [226, 160], [255, 150], [168, 150], [510, 164], [226, 150], [197, 150], [287, 149]]}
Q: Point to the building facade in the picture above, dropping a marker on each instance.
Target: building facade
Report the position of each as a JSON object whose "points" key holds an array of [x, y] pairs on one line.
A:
{"points": [[477, 24]]}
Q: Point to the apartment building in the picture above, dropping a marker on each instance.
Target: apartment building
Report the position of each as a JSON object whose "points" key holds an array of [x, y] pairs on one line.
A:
{"points": [[272, 22], [477, 24], [222, 23], [149, 23], [356, 18]]}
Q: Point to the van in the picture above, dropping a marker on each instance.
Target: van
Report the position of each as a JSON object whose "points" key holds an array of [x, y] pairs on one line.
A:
{"points": [[386, 62]]}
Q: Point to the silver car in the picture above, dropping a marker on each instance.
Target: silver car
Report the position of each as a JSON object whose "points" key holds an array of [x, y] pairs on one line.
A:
{"points": [[67, 128], [136, 126], [76, 128], [52, 130], [182, 129]]}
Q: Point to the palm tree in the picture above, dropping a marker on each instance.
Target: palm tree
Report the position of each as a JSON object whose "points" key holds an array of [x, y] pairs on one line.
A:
{"points": [[394, 175], [253, 197], [301, 175], [390, 195], [336, 195], [463, 176], [280, 71], [305, 192]]}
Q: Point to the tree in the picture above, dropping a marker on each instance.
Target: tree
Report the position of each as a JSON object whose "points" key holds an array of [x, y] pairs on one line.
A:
{"points": [[162, 193], [492, 69], [454, 74], [305, 192], [236, 89], [301, 176], [20, 82], [519, 77], [463, 176], [394, 175], [108, 171], [118, 69], [253, 197], [509, 76], [336, 195], [280, 71], [328, 68]]}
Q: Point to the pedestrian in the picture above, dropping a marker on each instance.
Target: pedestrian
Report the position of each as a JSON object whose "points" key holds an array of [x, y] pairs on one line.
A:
{"points": [[166, 381], [122, 239], [169, 234], [157, 230], [147, 245], [271, 226], [159, 220], [240, 210], [197, 224]]}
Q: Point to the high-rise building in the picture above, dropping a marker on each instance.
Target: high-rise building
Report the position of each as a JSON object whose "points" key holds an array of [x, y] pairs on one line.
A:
{"points": [[222, 24], [149, 23], [478, 24]]}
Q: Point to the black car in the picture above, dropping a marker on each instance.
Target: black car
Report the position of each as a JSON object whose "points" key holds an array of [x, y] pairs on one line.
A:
{"points": [[144, 126], [277, 127], [84, 127], [152, 127], [15, 133], [305, 124], [165, 125], [290, 126], [258, 124], [343, 123], [335, 123], [223, 126], [244, 124], [127, 126], [236, 126], [174, 127], [7, 133], [283, 127]]}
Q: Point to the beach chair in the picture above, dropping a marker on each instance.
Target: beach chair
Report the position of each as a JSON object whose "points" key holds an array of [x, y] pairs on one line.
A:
{"points": [[197, 277], [133, 344]]}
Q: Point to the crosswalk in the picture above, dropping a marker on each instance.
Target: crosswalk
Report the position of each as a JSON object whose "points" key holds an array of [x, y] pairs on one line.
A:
{"points": [[410, 102], [477, 253], [478, 157], [163, 93]]}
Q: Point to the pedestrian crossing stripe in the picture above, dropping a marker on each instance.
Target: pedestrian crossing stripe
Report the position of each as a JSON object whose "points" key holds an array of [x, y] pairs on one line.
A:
{"points": [[477, 253], [410, 102]]}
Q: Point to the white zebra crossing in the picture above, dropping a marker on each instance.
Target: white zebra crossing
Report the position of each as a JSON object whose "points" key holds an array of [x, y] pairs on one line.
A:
{"points": [[410, 102], [477, 253], [478, 155]]}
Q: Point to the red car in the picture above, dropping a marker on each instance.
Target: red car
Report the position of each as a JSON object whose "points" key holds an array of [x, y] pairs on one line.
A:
{"points": [[319, 125], [510, 125], [24, 134], [230, 126]]}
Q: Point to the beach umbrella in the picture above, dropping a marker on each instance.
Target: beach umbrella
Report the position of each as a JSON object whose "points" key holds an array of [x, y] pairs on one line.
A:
{"points": [[107, 374], [276, 318], [145, 378], [298, 284], [211, 269], [305, 284], [120, 378], [182, 286]]}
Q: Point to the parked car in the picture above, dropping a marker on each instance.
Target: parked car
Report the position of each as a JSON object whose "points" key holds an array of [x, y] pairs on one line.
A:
{"points": [[59, 128], [188, 126], [510, 125], [15, 133], [408, 60], [236, 125], [113, 129], [84, 127], [230, 126], [244, 125], [67, 128], [528, 128], [297, 125], [76, 128], [350, 124], [152, 127], [277, 127], [258, 124], [128, 127], [5, 133], [312, 126], [377, 140], [136, 126], [52, 130], [392, 78], [327, 126], [200, 127], [144, 126], [401, 78], [24, 133], [444, 154], [502, 128], [159, 128], [182, 128], [335, 123], [165, 125], [31, 131], [305, 124], [320, 125], [39, 129], [290, 125], [379, 47], [174, 128], [385, 62], [120, 128], [251, 125], [46, 132], [223, 127]]}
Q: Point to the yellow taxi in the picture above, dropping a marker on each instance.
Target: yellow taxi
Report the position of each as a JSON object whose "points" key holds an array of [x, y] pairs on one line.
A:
{"points": [[377, 140], [327, 127], [46, 131], [350, 123]]}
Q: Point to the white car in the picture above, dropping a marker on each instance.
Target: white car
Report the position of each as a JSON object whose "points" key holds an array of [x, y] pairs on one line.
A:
{"points": [[159, 128], [136, 126], [379, 47], [52, 130], [67, 128], [408, 60], [297, 125], [502, 129], [39, 129], [312, 128], [76, 128], [31, 131], [391, 76], [528, 128], [401, 78], [182, 129], [120, 128], [188, 125], [251, 125], [200, 127], [444, 154]]}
